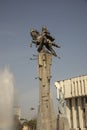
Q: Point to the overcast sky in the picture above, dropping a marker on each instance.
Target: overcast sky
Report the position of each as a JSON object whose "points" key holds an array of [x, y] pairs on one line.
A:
{"points": [[67, 22]]}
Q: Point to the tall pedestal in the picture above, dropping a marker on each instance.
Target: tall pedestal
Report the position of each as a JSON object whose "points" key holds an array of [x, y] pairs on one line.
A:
{"points": [[46, 119]]}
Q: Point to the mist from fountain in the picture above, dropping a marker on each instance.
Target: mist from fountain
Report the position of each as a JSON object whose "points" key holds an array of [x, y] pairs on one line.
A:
{"points": [[6, 99]]}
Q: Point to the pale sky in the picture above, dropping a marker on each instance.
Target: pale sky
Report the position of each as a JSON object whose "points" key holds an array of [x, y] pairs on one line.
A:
{"points": [[67, 22]]}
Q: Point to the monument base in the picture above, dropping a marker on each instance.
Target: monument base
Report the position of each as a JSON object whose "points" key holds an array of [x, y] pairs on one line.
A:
{"points": [[47, 121]]}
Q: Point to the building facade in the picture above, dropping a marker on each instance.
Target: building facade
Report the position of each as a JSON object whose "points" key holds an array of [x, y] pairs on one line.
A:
{"points": [[75, 92]]}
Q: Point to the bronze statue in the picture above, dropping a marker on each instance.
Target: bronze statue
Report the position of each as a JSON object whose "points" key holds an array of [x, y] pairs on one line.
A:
{"points": [[43, 39]]}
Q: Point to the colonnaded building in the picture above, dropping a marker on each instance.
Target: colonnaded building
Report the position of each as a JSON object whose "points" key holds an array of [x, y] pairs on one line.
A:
{"points": [[75, 92]]}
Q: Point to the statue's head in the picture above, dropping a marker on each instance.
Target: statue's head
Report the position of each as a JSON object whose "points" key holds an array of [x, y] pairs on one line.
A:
{"points": [[34, 33], [44, 28]]}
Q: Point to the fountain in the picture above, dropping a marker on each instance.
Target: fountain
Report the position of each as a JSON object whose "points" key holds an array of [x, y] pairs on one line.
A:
{"points": [[6, 99]]}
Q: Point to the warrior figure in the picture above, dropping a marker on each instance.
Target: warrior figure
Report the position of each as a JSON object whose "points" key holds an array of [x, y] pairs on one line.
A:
{"points": [[43, 39]]}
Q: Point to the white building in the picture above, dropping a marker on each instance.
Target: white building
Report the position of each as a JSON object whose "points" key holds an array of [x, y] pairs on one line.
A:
{"points": [[75, 92]]}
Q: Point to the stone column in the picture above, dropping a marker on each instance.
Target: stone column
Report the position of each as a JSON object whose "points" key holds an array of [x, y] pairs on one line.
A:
{"points": [[80, 113], [86, 113], [68, 112], [74, 114], [46, 119]]}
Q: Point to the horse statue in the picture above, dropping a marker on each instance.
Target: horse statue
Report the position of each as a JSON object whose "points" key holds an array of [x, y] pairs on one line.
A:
{"points": [[43, 39]]}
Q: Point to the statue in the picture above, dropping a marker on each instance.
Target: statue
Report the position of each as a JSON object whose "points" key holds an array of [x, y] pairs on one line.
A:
{"points": [[61, 101], [43, 39]]}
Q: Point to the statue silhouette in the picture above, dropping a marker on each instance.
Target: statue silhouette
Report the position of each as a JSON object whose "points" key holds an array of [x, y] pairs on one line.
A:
{"points": [[43, 39]]}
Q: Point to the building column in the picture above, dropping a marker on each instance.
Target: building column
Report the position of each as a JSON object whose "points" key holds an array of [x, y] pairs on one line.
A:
{"points": [[85, 86], [68, 111], [80, 112], [74, 113], [86, 113]]}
